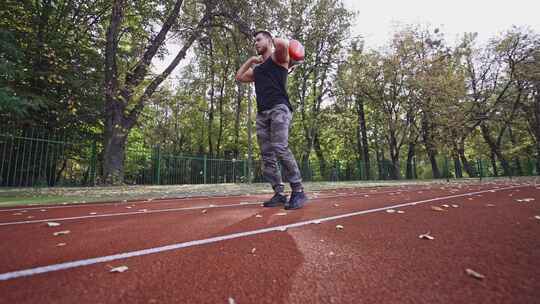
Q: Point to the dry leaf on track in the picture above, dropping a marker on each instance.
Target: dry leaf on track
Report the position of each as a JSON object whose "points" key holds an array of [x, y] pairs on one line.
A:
{"points": [[336, 205], [490, 205], [339, 227], [525, 200], [60, 244], [93, 213], [455, 206], [400, 211], [446, 206], [253, 250], [537, 217], [281, 213], [61, 232], [231, 301], [258, 215], [204, 211], [474, 274], [390, 211], [436, 208], [53, 224], [119, 269], [426, 236]]}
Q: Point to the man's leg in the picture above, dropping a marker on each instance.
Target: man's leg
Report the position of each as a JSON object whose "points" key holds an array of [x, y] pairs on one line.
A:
{"points": [[270, 164], [281, 118]]}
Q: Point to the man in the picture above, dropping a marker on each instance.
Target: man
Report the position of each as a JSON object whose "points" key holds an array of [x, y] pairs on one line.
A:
{"points": [[274, 114]]}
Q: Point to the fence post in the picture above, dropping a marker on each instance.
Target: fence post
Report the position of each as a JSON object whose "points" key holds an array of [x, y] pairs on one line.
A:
{"points": [[93, 164], [446, 169], [157, 165], [480, 169], [204, 169]]}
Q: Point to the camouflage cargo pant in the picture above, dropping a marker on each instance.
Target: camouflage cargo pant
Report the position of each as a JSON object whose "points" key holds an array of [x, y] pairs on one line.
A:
{"points": [[273, 137]]}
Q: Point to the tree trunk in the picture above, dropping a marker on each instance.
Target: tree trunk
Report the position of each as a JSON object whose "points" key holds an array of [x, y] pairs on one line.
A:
{"points": [[394, 156], [493, 158], [466, 164], [430, 147], [519, 170], [118, 97], [362, 136], [211, 110], [457, 167], [495, 150], [537, 125]]}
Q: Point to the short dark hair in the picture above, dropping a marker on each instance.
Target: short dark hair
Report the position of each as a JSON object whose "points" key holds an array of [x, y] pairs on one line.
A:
{"points": [[265, 33]]}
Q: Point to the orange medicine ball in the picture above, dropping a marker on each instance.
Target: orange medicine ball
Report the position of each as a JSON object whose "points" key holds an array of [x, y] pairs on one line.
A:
{"points": [[296, 50]]}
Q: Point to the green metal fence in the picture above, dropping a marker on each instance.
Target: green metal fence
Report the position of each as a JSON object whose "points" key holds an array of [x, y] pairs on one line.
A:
{"points": [[32, 159]]}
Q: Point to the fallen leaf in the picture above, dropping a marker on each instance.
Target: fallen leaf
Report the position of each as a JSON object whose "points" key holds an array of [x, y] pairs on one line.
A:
{"points": [[390, 211], [30, 217], [426, 236], [129, 207], [231, 301], [436, 208], [490, 205], [119, 269], [525, 200], [60, 244], [339, 227], [455, 206], [61, 232], [143, 210], [283, 229], [42, 210], [53, 224], [93, 213], [204, 211], [336, 205], [537, 217], [400, 211], [258, 215], [253, 250], [331, 253], [474, 274], [18, 213], [316, 222], [281, 213], [446, 206], [211, 206]]}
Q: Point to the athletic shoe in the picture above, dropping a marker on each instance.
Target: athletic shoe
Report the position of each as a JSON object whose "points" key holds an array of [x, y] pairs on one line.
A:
{"points": [[276, 200], [297, 201]]}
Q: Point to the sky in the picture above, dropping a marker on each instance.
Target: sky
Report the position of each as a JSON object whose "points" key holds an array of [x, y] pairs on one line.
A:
{"points": [[377, 19]]}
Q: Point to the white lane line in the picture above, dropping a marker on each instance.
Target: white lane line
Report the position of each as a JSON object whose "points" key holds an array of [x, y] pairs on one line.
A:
{"points": [[126, 213], [120, 203], [130, 254]]}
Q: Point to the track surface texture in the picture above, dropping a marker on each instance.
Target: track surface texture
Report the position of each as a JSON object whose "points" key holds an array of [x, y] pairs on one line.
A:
{"points": [[351, 245]]}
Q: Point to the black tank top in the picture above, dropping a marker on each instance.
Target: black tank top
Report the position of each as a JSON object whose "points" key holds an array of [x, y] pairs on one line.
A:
{"points": [[271, 85]]}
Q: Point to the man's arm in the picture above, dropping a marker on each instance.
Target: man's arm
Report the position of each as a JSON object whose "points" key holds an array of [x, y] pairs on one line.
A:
{"points": [[281, 52], [245, 73]]}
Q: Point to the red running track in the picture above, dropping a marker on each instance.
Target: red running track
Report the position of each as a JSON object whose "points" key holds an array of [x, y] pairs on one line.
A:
{"points": [[376, 258]]}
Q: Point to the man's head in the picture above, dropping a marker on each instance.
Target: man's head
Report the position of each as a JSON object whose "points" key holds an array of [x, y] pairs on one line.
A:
{"points": [[263, 42]]}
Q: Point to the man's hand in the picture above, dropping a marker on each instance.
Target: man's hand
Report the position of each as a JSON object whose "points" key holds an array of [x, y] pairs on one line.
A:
{"points": [[245, 73]]}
